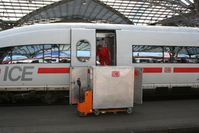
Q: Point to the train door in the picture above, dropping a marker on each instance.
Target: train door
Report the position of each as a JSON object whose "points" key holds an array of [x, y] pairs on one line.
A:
{"points": [[83, 44], [107, 39], [83, 47]]}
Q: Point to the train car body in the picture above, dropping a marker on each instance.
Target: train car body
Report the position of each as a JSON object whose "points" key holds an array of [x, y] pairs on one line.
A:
{"points": [[39, 57]]}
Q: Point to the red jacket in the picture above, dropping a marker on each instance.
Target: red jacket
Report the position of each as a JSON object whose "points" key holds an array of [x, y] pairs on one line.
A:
{"points": [[104, 56]]}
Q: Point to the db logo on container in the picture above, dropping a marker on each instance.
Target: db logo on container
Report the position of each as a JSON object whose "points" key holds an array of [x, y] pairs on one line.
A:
{"points": [[115, 73]]}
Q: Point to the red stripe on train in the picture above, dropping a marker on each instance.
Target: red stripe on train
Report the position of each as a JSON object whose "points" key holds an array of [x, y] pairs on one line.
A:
{"points": [[152, 70], [146, 70], [53, 70], [185, 70]]}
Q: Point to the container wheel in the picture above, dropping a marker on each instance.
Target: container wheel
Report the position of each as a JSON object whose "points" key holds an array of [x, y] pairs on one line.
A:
{"points": [[129, 110], [96, 112], [80, 113]]}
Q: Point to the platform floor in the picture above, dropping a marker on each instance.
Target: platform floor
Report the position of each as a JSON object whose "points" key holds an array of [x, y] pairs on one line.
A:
{"points": [[161, 116]]}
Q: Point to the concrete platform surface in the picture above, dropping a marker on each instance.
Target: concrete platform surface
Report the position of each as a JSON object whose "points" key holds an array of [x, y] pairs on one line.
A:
{"points": [[164, 116]]}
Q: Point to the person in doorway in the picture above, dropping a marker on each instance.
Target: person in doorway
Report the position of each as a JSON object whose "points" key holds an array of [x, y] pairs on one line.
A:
{"points": [[103, 55]]}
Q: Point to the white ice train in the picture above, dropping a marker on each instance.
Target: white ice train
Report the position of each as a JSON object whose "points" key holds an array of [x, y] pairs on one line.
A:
{"points": [[38, 57]]}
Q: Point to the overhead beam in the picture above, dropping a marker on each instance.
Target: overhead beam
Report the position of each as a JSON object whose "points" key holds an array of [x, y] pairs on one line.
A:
{"points": [[93, 10], [196, 4], [7, 24]]}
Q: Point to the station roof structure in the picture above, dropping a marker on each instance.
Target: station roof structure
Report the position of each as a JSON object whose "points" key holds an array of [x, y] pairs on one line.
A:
{"points": [[137, 12]]}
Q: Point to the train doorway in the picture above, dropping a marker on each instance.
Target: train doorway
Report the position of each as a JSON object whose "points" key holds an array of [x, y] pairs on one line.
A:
{"points": [[107, 39]]}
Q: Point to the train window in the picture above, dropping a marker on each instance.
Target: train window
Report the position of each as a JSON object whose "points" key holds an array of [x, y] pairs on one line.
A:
{"points": [[37, 52], [64, 56], [165, 54], [147, 54], [24, 54], [181, 54], [27, 54], [188, 55], [193, 53], [55, 53], [47, 53], [83, 49], [170, 54], [6, 55]]}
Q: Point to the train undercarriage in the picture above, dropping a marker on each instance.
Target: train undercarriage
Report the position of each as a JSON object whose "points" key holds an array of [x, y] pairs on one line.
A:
{"points": [[62, 97], [34, 97]]}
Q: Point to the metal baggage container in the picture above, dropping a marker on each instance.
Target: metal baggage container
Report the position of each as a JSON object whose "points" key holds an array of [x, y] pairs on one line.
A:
{"points": [[113, 87]]}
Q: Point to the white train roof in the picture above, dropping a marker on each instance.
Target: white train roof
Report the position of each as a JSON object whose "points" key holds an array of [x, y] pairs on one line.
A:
{"points": [[59, 33], [37, 27]]}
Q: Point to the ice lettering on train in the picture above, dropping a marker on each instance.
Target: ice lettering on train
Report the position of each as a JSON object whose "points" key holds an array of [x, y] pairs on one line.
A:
{"points": [[24, 73]]}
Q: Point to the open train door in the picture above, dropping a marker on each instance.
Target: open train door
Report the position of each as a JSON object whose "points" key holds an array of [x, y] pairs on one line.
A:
{"points": [[83, 47]]}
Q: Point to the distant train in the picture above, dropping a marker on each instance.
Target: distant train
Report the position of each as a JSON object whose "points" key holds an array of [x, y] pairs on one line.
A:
{"points": [[38, 57]]}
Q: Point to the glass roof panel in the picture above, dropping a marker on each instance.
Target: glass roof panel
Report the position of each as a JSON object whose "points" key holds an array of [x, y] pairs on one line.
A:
{"points": [[137, 11]]}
